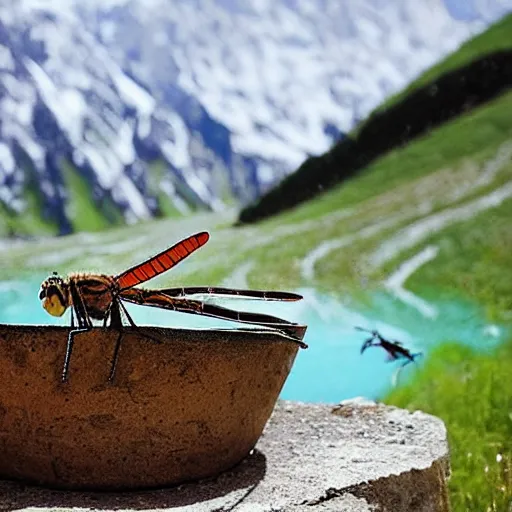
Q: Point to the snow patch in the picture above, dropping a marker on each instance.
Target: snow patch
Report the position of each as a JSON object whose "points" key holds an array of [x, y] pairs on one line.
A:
{"points": [[132, 93], [7, 162], [6, 59]]}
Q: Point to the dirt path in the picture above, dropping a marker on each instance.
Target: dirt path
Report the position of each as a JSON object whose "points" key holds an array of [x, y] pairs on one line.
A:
{"points": [[395, 282], [418, 231], [307, 265], [446, 186]]}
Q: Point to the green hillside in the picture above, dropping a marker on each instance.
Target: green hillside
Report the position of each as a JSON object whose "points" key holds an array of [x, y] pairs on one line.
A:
{"points": [[477, 73]]}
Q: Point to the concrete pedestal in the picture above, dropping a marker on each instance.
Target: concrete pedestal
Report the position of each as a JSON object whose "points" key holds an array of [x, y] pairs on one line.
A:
{"points": [[355, 457]]}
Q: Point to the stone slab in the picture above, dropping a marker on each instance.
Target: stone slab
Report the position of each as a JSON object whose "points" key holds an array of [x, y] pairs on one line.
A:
{"points": [[358, 456]]}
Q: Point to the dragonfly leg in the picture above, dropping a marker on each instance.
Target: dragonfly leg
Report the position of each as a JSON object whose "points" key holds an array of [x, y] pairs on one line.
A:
{"points": [[412, 359], [69, 349], [417, 354], [133, 324], [116, 323], [71, 338], [107, 314], [84, 325], [367, 344], [115, 357]]}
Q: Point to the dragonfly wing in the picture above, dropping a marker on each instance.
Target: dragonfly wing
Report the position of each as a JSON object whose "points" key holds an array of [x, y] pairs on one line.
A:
{"points": [[231, 292], [156, 298], [161, 262], [249, 318]]}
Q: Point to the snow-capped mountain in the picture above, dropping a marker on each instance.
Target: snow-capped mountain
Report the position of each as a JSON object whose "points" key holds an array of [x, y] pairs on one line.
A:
{"points": [[230, 94], [63, 97]]}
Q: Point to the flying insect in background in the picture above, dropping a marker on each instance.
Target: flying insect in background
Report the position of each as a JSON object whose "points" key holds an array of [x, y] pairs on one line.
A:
{"points": [[394, 349]]}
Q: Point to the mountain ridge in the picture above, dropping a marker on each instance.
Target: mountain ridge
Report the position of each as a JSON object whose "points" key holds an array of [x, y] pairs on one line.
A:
{"points": [[73, 92]]}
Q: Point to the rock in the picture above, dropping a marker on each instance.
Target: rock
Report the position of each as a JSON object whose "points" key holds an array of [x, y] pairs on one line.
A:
{"points": [[294, 468]]}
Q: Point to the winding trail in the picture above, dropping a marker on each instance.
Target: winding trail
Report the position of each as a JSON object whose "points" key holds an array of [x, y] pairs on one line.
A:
{"points": [[487, 173], [307, 265], [252, 239], [418, 231], [395, 282], [467, 182], [460, 184]]}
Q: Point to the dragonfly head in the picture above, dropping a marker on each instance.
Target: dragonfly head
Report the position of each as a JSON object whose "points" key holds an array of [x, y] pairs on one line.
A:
{"points": [[54, 295]]}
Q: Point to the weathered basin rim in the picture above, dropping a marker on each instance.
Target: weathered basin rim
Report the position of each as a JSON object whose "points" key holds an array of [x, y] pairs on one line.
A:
{"points": [[185, 334]]}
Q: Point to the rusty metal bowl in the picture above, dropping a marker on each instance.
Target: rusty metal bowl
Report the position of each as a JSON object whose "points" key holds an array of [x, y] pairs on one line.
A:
{"points": [[188, 408]]}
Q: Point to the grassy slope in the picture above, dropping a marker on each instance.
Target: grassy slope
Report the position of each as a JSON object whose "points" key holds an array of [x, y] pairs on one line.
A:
{"points": [[30, 221], [157, 171], [477, 135], [81, 209]]}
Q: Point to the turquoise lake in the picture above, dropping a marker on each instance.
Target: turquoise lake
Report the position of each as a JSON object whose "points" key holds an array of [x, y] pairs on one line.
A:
{"points": [[332, 368]]}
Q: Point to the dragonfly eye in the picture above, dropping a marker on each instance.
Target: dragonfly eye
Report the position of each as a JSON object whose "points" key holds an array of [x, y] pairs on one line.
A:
{"points": [[42, 294]]}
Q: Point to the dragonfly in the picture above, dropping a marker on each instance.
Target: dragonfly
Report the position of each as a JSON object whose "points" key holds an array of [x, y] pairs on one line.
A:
{"points": [[101, 297], [394, 349]]}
